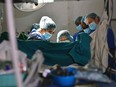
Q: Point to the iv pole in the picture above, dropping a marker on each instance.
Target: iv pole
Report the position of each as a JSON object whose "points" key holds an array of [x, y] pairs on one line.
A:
{"points": [[12, 37]]}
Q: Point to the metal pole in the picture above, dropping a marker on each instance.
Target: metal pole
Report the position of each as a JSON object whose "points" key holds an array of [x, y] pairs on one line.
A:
{"points": [[12, 35]]}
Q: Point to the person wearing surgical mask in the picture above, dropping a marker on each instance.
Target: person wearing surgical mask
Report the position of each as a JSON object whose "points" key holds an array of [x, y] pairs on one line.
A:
{"points": [[78, 27], [85, 27], [92, 21], [64, 36], [46, 28], [81, 27]]}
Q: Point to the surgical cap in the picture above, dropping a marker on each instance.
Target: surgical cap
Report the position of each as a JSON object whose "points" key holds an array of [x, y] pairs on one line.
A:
{"points": [[91, 15], [47, 23], [83, 19], [65, 33], [78, 19]]}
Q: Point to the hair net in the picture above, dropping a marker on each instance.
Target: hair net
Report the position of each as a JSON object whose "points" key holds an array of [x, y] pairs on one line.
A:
{"points": [[78, 19], [65, 33], [47, 23]]}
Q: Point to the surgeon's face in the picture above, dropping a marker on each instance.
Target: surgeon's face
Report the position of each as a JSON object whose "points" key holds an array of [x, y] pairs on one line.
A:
{"points": [[51, 31], [63, 38]]}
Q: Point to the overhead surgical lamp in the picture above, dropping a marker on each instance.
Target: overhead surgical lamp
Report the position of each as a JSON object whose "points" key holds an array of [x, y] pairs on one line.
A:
{"points": [[31, 5]]}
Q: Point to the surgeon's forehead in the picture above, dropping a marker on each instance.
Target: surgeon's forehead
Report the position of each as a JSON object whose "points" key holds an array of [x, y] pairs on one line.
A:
{"points": [[62, 38], [51, 30], [89, 20]]}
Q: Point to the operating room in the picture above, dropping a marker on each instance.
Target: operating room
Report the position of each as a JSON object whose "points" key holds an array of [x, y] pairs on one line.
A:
{"points": [[42, 38]]}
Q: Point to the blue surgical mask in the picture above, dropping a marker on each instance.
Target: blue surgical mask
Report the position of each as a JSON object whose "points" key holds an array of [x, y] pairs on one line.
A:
{"points": [[79, 28], [87, 30], [47, 35], [93, 26]]}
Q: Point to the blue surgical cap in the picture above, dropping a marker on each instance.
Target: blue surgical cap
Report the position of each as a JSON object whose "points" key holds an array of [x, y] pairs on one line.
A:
{"points": [[83, 19], [47, 23], [65, 33]]}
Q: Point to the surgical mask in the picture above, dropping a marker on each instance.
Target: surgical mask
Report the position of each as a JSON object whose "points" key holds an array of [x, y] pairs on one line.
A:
{"points": [[47, 35], [93, 26], [87, 30], [79, 28]]}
